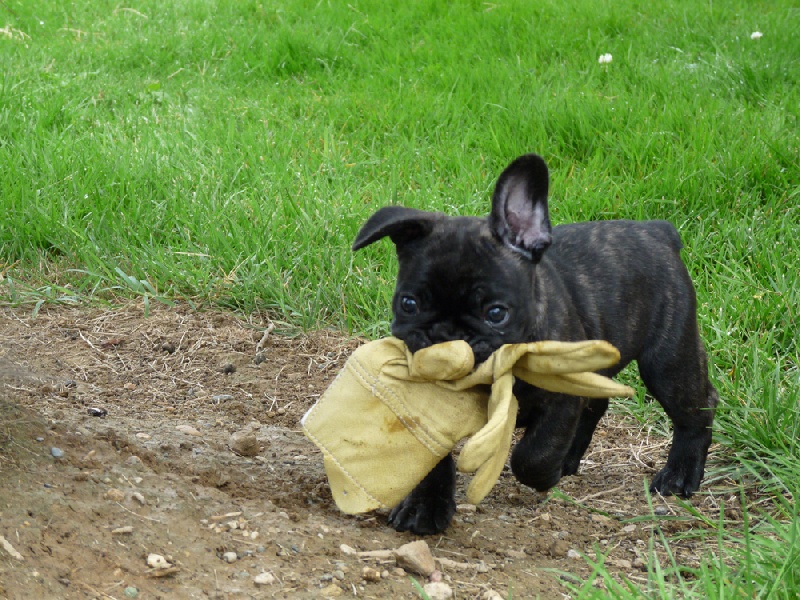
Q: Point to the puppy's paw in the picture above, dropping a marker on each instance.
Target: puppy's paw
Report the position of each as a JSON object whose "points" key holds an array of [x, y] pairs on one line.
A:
{"points": [[422, 516], [680, 482], [430, 506]]}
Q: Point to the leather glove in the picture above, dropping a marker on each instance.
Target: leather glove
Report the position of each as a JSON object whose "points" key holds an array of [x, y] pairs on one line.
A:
{"points": [[389, 416]]}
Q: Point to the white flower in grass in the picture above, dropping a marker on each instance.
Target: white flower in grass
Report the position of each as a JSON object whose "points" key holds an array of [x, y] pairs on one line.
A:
{"points": [[605, 59], [756, 35]]}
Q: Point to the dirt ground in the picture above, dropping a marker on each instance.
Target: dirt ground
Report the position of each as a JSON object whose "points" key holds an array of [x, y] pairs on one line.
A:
{"points": [[145, 412]]}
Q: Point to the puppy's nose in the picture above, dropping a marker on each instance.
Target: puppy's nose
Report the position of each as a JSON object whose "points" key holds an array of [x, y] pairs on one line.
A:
{"points": [[445, 332]]}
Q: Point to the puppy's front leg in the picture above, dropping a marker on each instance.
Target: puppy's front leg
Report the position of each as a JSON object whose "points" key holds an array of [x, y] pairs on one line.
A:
{"points": [[431, 505], [551, 421]]}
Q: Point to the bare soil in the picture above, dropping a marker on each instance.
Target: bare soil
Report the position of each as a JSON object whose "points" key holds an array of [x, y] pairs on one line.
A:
{"points": [[157, 473]]}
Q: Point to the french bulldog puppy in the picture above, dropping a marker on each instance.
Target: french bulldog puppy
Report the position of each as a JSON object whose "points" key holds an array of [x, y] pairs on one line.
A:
{"points": [[510, 278]]}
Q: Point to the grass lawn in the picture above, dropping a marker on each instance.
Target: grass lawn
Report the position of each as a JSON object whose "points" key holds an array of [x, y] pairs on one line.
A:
{"points": [[227, 152]]}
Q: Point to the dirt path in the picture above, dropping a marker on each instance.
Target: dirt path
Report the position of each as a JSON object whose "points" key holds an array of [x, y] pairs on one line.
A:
{"points": [[179, 391]]}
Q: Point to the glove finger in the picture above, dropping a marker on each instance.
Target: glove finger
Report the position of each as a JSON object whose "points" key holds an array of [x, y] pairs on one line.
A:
{"points": [[569, 357], [587, 385], [502, 410], [489, 472]]}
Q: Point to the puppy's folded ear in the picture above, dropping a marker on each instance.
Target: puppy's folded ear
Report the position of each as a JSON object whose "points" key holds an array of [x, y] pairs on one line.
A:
{"points": [[520, 218], [399, 223]]}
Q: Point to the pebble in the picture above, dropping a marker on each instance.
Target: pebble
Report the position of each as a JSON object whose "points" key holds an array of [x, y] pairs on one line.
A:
{"points": [[264, 579], [331, 591], [156, 561], [370, 574], [415, 556], [143, 436], [188, 430], [438, 590], [97, 412], [56, 452], [39, 439], [347, 550], [230, 557], [572, 553], [629, 528], [139, 498], [130, 592], [228, 368], [114, 495], [222, 397], [244, 443], [661, 511]]}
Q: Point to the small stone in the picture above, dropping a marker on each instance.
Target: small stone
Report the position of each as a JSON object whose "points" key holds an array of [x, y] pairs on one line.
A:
{"points": [[622, 563], [638, 563], [339, 574], [168, 347], [114, 495], [97, 412], [244, 443], [139, 498], [228, 368], [416, 557], [264, 579], [331, 591], [156, 561], [130, 386], [629, 528], [572, 553], [260, 358], [559, 549], [39, 439], [133, 460], [56, 452], [347, 550], [397, 572], [142, 436], [230, 557], [221, 398], [466, 508], [188, 430], [130, 592], [370, 574], [438, 590], [661, 511]]}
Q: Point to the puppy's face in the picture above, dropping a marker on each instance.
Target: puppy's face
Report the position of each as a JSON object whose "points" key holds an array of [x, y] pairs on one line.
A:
{"points": [[468, 278], [460, 283]]}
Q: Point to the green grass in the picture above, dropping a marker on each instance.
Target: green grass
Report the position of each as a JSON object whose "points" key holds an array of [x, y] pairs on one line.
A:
{"points": [[227, 152]]}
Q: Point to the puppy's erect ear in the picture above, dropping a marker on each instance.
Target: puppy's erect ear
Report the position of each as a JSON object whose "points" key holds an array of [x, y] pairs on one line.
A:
{"points": [[399, 223], [519, 217]]}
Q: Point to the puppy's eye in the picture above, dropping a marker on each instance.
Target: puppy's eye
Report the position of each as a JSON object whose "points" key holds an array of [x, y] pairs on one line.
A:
{"points": [[409, 305], [496, 315]]}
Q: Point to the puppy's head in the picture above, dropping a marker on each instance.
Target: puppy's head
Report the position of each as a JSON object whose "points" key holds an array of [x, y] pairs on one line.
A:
{"points": [[465, 277]]}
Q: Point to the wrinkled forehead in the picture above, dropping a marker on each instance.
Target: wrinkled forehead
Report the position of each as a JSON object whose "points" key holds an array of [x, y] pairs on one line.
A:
{"points": [[458, 254]]}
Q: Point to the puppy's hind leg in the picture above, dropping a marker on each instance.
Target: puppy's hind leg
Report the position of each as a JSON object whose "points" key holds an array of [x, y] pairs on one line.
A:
{"points": [[679, 381]]}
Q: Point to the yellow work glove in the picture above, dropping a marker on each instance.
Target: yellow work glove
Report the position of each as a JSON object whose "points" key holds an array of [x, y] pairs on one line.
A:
{"points": [[562, 367], [389, 417]]}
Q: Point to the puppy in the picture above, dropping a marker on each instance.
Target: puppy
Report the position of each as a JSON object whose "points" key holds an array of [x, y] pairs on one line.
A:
{"points": [[510, 278]]}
